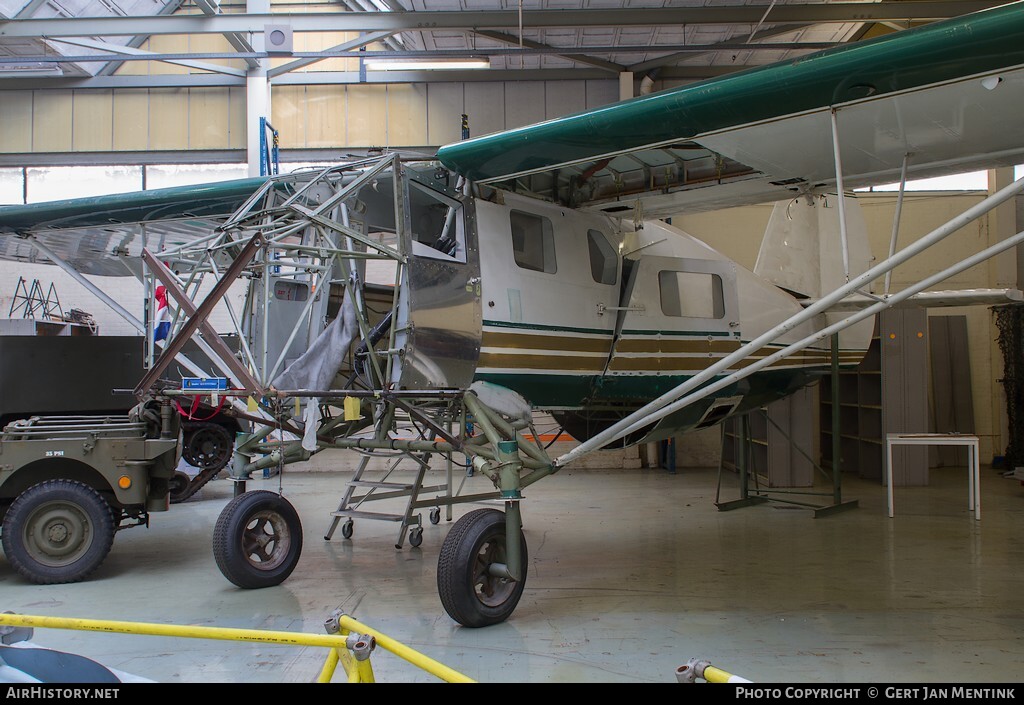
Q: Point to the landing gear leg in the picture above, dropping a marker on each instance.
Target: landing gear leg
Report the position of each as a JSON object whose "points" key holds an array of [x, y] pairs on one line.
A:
{"points": [[481, 572]]}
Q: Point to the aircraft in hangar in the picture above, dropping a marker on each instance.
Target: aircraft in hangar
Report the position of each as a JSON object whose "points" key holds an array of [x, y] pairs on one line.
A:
{"points": [[425, 308]]}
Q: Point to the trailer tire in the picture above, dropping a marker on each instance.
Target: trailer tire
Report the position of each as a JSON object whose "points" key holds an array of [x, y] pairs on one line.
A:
{"points": [[257, 540], [58, 531]]}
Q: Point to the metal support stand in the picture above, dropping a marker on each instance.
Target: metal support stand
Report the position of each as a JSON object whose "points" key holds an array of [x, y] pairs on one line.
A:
{"points": [[763, 495], [746, 499]]}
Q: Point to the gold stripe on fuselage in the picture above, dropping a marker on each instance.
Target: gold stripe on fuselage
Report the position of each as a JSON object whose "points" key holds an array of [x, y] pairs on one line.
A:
{"points": [[507, 350], [558, 343]]}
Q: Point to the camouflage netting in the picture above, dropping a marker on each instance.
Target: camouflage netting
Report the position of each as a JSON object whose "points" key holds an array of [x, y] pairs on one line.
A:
{"points": [[1010, 320]]}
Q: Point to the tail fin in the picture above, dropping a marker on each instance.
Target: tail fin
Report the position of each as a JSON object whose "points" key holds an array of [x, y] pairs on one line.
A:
{"points": [[802, 249], [802, 252]]}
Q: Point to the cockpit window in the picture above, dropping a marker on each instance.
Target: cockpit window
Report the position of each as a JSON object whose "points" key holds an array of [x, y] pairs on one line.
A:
{"points": [[438, 231]]}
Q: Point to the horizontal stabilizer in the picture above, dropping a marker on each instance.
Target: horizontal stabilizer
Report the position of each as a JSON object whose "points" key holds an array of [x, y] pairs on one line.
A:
{"points": [[932, 299]]}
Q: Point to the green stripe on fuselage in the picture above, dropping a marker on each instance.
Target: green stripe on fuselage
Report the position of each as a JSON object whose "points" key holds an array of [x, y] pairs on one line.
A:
{"points": [[572, 391]]}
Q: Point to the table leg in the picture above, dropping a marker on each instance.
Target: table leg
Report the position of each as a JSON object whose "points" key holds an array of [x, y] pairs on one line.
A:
{"points": [[888, 473]]}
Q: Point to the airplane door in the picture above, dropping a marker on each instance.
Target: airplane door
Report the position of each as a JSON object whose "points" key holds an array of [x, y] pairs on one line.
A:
{"points": [[681, 312], [441, 326]]}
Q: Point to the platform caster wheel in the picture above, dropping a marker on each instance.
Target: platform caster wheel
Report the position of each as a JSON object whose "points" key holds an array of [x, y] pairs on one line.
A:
{"points": [[257, 540], [58, 531], [346, 529], [416, 537], [470, 594], [435, 515]]}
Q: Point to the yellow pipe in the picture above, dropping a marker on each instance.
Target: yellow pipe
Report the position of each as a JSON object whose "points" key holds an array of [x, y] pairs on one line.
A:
{"points": [[716, 675], [402, 651], [327, 672], [350, 665], [365, 669], [330, 641]]}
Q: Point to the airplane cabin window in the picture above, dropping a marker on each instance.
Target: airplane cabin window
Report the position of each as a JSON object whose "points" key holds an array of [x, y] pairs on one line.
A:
{"points": [[604, 263], [691, 294], [533, 242]]}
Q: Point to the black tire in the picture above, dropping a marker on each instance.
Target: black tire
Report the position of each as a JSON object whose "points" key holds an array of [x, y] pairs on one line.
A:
{"points": [[180, 487], [346, 529], [435, 515], [471, 596], [416, 538], [58, 531], [207, 446], [257, 540]]}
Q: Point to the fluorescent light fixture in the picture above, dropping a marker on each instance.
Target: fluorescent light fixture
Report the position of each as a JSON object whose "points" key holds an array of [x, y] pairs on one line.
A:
{"points": [[427, 64], [36, 68]]}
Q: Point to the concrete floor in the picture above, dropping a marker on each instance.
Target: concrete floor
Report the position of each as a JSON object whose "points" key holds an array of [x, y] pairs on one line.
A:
{"points": [[631, 573]]}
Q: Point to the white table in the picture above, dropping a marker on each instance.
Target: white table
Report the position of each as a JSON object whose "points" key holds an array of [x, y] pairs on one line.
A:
{"points": [[951, 439]]}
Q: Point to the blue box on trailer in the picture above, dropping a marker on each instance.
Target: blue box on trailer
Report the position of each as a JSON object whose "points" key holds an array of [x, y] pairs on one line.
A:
{"points": [[205, 384]]}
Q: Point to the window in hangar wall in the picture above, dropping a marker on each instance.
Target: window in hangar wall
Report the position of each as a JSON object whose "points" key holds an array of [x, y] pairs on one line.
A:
{"points": [[54, 183], [60, 182]]}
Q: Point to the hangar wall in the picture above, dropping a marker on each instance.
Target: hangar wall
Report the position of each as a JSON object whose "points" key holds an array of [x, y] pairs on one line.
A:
{"points": [[306, 116], [922, 212]]}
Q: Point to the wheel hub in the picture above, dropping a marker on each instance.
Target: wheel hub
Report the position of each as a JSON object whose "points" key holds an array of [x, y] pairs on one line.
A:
{"points": [[491, 590], [57, 534], [266, 540]]}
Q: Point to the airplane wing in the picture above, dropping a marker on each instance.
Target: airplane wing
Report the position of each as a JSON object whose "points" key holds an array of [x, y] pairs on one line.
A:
{"points": [[104, 234], [946, 95]]}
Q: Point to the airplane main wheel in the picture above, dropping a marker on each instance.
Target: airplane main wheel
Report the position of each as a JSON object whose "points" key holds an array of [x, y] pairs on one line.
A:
{"points": [[469, 593], [257, 540]]}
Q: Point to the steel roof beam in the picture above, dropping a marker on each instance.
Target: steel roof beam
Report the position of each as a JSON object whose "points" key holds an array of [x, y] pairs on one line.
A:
{"points": [[645, 66], [140, 55], [502, 19], [361, 6], [204, 80], [578, 58], [309, 57], [169, 8], [240, 43], [30, 9], [327, 54]]}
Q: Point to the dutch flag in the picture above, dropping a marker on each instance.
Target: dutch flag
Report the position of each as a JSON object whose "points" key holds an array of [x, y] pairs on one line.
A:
{"points": [[162, 324]]}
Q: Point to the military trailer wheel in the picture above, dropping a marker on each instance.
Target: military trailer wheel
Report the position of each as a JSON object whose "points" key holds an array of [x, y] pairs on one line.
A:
{"points": [[179, 487], [257, 540], [469, 593], [58, 531], [207, 445]]}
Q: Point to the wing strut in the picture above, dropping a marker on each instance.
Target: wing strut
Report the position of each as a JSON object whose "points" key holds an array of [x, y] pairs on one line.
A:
{"points": [[93, 289], [680, 396]]}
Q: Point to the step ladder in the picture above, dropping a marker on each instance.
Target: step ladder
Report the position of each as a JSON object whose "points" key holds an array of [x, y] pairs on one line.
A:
{"points": [[359, 491]]}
